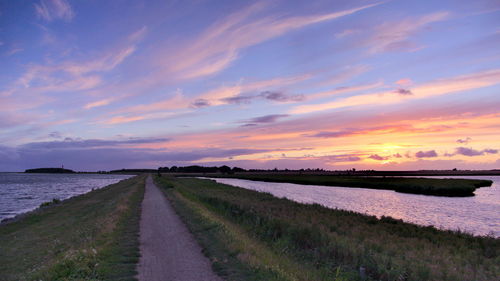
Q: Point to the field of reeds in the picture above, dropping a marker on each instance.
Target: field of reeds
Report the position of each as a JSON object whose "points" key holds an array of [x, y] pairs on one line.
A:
{"points": [[93, 236], [427, 186], [254, 236]]}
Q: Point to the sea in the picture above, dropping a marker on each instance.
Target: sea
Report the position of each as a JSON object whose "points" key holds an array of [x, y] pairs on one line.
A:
{"points": [[23, 192]]}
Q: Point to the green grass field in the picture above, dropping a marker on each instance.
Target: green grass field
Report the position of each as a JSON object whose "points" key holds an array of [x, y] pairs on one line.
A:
{"points": [[89, 237], [427, 186], [254, 236]]}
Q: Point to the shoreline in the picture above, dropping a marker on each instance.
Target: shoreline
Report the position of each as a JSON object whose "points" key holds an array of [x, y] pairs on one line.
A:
{"points": [[35, 193], [92, 236], [448, 187], [326, 196]]}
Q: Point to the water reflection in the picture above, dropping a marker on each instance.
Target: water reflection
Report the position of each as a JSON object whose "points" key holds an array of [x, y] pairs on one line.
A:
{"points": [[478, 215]]}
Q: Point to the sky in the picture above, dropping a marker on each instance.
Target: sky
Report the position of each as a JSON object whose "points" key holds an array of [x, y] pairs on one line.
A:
{"points": [[385, 85]]}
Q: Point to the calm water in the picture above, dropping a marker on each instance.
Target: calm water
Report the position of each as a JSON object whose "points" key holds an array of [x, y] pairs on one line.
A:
{"points": [[21, 192], [479, 215]]}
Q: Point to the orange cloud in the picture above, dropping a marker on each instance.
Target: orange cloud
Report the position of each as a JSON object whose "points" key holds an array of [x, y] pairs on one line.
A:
{"points": [[122, 119], [98, 103]]}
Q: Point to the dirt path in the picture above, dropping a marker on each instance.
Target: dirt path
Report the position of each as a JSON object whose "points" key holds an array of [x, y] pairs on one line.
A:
{"points": [[168, 249]]}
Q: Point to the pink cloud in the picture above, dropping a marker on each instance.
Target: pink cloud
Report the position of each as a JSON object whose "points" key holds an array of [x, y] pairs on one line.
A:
{"points": [[123, 119], [98, 103], [405, 82]]}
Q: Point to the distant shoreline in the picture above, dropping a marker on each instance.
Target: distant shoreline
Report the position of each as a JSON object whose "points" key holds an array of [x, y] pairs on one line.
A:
{"points": [[493, 172], [450, 187], [50, 171]]}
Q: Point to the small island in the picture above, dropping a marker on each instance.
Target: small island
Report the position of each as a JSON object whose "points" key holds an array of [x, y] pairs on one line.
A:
{"points": [[427, 186], [50, 171]]}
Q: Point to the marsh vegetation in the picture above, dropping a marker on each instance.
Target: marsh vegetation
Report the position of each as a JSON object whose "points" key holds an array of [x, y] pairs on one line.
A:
{"points": [[254, 236], [427, 186]]}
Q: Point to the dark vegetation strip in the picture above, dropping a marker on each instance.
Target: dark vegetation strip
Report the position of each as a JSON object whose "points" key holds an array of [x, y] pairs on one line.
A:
{"points": [[326, 244], [427, 186], [93, 236]]}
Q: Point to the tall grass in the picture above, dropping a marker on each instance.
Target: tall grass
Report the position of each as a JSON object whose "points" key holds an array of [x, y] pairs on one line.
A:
{"points": [[93, 236], [236, 254], [428, 186], [328, 241]]}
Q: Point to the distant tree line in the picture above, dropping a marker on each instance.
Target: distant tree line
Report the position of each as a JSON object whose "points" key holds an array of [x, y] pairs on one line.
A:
{"points": [[200, 169], [133, 171], [50, 171]]}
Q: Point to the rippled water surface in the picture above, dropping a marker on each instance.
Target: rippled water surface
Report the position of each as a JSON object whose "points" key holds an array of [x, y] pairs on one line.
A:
{"points": [[21, 192], [479, 215]]}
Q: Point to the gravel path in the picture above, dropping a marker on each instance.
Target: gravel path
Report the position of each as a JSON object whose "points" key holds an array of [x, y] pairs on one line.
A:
{"points": [[168, 250]]}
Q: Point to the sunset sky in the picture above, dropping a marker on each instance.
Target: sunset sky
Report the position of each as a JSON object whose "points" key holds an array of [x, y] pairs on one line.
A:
{"points": [[386, 85]]}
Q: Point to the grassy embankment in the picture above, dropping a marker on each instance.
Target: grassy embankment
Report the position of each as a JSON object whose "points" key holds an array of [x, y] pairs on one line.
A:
{"points": [[254, 236], [89, 237], [427, 186]]}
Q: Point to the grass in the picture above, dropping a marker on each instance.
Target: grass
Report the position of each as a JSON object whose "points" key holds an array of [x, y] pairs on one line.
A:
{"points": [[235, 254], [93, 236], [427, 186], [254, 236]]}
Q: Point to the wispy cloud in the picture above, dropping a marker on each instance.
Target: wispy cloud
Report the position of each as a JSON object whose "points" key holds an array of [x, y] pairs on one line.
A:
{"points": [[240, 99], [55, 135], [281, 97], [343, 74], [78, 75], [464, 141], [275, 96], [219, 45], [436, 88], [403, 92], [13, 51], [240, 92], [405, 82], [342, 158], [231, 93], [10, 118], [378, 157], [39, 83], [122, 119], [472, 152], [345, 32], [98, 103], [51, 10], [71, 143], [344, 90], [176, 101], [396, 36], [198, 103], [379, 130], [263, 119]]}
